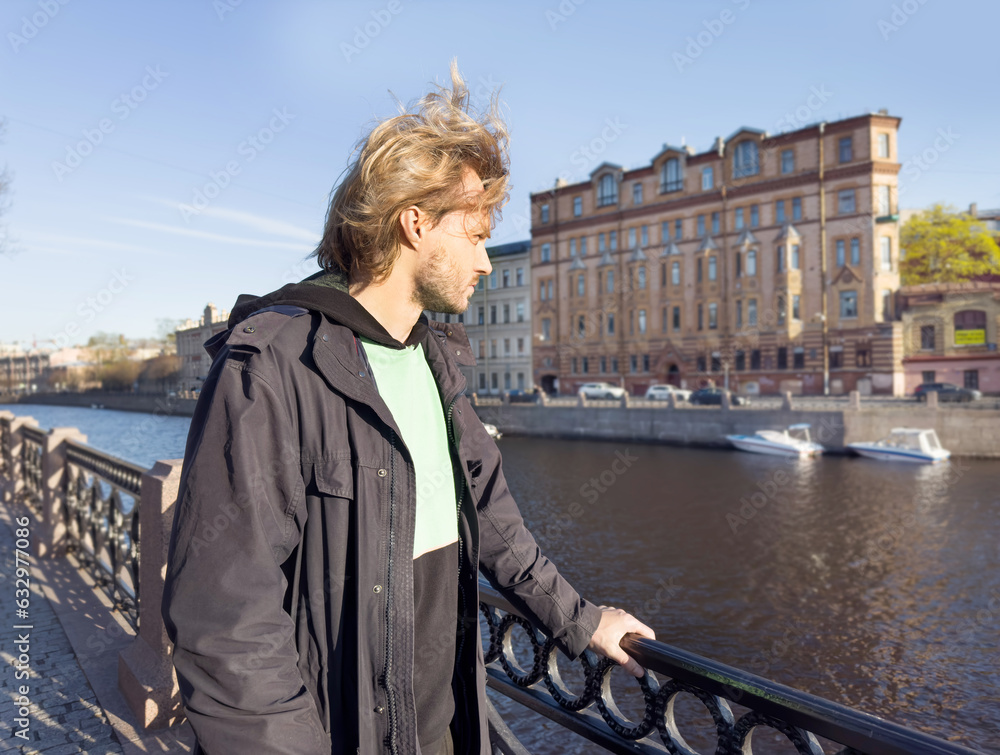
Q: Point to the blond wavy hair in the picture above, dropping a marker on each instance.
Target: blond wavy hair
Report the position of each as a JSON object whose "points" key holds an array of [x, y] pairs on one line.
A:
{"points": [[415, 158]]}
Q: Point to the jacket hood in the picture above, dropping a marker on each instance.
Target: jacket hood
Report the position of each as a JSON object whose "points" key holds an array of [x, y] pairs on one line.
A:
{"points": [[326, 292]]}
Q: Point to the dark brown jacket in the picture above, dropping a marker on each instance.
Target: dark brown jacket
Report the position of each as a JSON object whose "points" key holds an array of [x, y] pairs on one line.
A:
{"points": [[290, 580]]}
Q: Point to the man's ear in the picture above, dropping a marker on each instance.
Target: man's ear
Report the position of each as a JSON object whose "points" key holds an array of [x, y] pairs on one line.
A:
{"points": [[413, 225]]}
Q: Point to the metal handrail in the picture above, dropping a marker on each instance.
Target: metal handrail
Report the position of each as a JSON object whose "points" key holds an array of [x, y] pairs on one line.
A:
{"points": [[800, 716]]}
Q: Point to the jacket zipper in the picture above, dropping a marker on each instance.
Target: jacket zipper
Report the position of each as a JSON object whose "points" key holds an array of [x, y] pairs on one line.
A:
{"points": [[461, 589], [390, 697]]}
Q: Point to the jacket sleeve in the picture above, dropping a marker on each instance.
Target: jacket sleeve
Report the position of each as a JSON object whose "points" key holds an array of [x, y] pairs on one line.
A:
{"points": [[509, 557], [223, 605]]}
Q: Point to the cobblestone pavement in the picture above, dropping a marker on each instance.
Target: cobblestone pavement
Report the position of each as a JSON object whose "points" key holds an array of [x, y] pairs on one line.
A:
{"points": [[63, 715]]}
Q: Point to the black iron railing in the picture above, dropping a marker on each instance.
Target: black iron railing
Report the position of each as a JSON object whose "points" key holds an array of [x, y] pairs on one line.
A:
{"points": [[6, 456], [101, 511], [32, 453], [801, 718]]}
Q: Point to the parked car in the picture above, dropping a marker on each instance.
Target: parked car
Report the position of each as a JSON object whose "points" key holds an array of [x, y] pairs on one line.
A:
{"points": [[601, 390], [662, 391], [518, 396], [713, 396], [946, 392]]}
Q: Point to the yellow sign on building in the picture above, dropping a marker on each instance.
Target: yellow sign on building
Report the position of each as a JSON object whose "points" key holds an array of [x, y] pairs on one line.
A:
{"points": [[970, 337]]}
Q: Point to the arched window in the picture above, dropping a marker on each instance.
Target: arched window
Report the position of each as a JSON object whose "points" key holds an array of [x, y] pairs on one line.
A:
{"points": [[746, 161], [670, 176], [607, 190]]}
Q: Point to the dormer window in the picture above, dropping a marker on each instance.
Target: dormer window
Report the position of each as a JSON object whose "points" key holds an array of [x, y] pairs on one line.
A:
{"points": [[670, 176], [707, 178], [746, 160], [607, 191]]}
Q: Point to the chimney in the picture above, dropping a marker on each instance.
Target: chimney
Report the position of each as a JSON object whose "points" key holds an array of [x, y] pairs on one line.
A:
{"points": [[974, 210], [883, 111]]}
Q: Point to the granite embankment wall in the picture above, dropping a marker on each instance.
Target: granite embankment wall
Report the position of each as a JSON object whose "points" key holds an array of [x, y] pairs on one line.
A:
{"points": [[965, 432]]}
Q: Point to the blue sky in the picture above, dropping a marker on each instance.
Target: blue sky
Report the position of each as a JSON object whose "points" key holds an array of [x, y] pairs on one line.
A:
{"points": [[169, 154]]}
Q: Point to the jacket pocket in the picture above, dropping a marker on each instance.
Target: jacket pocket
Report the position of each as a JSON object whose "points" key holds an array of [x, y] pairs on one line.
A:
{"points": [[334, 477]]}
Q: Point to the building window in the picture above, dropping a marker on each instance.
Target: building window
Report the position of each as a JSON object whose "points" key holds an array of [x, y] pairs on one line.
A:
{"points": [[601, 246], [611, 326], [581, 327], [738, 220], [845, 149], [883, 201], [519, 276], [779, 211], [663, 320], [712, 268], [741, 360], [754, 216], [613, 240], [675, 273], [546, 257], [677, 318], [614, 365], [678, 230], [505, 278], [886, 304], [799, 358], [715, 223], [546, 328], [586, 365], [482, 315], [550, 288], [631, 238], [493, 314], [752, 262], [604, 365], [716, 362], [665, 232], [637, 193], [700, 364], [845, 201], [701, 317], [581, 284], [520, 346], [755, 359], [796, 209], [573, 365], [886, 243], [633, 363], [506, 313], [927, 338], [970, 327], [752, 312], [796, 311], [883, 146], [745, 160], [780, 258], [642, 322], [701, 226], [738, 264], [482, 381], [698, 267], [782, 357], [707, 178], [971, 379], [645, 362], [607, 191], [855, 251], [928, 376], [836, 355], [739, 314], [520, 381], [493, 349], [787, 161], [520, 311], [670, 177], [848, 304], [644, 236], [782, 307], [583, 246], [840, 252], [506, 347], [577, 206], [796, 257], [493, 277], [862, 355], [572, 247], [541, 290], [545, 213], [611, 281], [641, 275]]}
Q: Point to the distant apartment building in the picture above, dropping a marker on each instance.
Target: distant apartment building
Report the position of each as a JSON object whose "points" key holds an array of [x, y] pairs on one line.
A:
{"points": [[23, 372], [950, 334], [767, 263], [190, 338], [498, 322]]}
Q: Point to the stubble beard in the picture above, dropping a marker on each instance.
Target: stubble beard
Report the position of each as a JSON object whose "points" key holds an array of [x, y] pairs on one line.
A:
{"points": [[440, 286]]}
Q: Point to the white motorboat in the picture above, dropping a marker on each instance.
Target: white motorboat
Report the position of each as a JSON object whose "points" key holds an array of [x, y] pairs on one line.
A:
{"points": [[904, 444], [794, 441], [492, 430]]}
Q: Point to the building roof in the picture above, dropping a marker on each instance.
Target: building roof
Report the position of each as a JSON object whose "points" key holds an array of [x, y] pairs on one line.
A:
{"points": [[513, 247]]}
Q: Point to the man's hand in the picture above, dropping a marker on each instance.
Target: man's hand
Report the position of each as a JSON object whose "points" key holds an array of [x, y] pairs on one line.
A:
{"points": [[615, 624]]}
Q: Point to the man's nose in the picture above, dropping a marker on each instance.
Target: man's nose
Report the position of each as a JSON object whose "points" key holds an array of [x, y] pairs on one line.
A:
{"points": [[483, 264]]}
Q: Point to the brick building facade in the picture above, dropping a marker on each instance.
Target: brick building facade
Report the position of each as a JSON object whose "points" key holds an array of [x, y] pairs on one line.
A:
{"points": [[709, 268]]}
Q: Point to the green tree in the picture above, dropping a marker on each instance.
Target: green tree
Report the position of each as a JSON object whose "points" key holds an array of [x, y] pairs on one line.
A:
{"points": [[945, 246]]}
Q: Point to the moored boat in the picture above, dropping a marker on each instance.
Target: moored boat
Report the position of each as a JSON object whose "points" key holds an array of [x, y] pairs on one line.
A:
{"points": [[794, 441], [904, 444]]}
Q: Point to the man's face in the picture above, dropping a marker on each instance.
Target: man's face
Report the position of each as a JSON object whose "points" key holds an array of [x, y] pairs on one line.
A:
{"points": [[448, 274]]}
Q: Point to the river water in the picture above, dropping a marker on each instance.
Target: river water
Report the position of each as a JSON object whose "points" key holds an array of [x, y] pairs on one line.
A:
{"points": [[871, 584]]}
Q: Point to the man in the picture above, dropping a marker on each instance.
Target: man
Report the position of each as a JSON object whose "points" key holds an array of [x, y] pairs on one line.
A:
{"points": [[339, 494]]}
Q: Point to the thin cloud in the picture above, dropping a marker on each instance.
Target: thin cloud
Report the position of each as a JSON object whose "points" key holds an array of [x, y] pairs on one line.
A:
{"points": [[78, 241], [271, 226], [206, 235]]}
